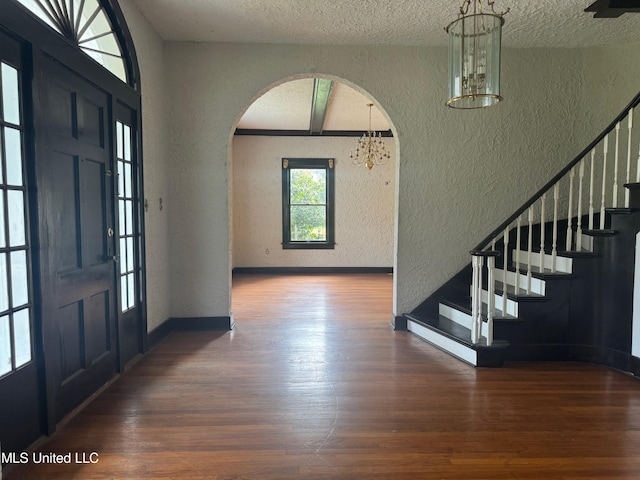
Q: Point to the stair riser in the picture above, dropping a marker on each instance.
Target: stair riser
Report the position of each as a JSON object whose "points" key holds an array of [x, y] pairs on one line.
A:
{"points": [[457, 316], [461, 318], [537, 285], [512, 306], [563, 264], [587, 243], [443, 343]]}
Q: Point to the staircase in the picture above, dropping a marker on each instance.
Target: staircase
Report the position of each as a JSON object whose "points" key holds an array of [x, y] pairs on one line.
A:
{"points": [[555, 280]]}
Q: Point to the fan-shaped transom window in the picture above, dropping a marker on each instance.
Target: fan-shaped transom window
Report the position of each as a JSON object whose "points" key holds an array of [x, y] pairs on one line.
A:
{"points": [[85, 23]]}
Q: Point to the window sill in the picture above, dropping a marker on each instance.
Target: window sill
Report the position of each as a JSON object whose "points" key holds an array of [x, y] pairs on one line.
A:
{"points": [[308, 246]]}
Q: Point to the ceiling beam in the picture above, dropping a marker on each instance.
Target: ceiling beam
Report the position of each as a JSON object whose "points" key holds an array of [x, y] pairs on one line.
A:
{"points": [[612, 8], [306, 133], [319, 103]]}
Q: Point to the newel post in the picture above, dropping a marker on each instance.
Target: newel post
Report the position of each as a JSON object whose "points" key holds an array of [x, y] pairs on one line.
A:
{"points": [[477, 264]]}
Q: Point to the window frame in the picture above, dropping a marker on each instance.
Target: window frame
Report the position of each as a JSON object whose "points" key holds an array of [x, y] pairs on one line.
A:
{"points": [[128, 236], [326, 164], [118, 29], [8, 249]]}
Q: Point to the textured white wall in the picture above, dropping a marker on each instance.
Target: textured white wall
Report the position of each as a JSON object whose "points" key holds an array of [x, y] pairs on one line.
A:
{"points": [[150, 52], [365, 204], [460, 173], [612, 79]]}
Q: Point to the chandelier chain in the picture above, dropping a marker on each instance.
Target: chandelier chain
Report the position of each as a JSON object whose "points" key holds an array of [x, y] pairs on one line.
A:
{"points": [[477, 7]]}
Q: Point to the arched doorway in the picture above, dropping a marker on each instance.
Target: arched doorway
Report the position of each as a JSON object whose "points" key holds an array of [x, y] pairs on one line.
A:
{"points": [[71, 259], [278, 126]]}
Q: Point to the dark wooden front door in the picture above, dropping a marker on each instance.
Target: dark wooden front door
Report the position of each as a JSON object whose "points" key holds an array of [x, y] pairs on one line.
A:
{"points": [[77, 238]]}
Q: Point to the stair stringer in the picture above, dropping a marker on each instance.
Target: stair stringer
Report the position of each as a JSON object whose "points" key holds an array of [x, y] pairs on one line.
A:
{"points": [[601, 317]]}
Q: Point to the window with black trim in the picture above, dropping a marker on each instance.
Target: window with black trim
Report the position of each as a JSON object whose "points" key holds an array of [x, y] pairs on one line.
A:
{"points": [[16, 332], [127, 234], [308, 203]]}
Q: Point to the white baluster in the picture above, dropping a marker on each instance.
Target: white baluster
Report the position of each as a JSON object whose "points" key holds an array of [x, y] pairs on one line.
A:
{"points": [[554, 246], [491, 265], [476, 297], [604, 182], [615, 168], [474, 294], [542, 230], [529, 249], [518, 247], [591, 209], [569, 241], [630, 127], [579, 227], [505, 237]]}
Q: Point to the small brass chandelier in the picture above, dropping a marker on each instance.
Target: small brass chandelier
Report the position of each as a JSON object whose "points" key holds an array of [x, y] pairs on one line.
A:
{"points": [[474, 56], [370, 150]]}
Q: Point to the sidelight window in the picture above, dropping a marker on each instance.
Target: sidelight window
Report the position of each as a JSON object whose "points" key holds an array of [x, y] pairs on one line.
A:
{"points": [[127, 231], [16, 345]]}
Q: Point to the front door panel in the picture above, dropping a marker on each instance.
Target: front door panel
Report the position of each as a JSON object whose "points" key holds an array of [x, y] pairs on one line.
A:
{"points": [[74, 174]]}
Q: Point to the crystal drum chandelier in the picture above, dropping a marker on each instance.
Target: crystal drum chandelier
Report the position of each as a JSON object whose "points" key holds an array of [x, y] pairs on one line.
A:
{"points": [[474, 56], [370, 150]]}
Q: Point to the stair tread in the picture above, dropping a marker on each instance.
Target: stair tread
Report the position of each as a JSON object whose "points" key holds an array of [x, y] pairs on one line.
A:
{"points": [[547, 251], [606, 232], [520, 295], [578, 254], [621, 210], [542, 275], [566, 253], [455, 331], [464, 305]]}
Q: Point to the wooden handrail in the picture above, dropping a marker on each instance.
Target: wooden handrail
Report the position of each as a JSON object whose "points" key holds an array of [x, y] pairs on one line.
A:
{"points": [[634, 103]]}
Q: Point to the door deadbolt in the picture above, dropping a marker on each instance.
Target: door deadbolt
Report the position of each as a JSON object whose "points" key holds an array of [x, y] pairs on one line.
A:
{"points": [[110, 232]]}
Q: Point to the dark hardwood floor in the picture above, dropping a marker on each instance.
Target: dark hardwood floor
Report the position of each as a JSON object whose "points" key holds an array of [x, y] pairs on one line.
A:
{"points": [[313, 384]]}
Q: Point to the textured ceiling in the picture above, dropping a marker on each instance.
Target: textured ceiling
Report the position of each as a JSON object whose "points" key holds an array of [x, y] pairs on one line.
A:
{"points": [[288, 107], [529, 23], [532, 23]]}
